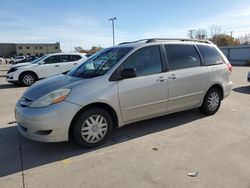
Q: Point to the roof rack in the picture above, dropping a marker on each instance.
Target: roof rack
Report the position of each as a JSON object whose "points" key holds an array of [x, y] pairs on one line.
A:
{"points": [[168, 39]]}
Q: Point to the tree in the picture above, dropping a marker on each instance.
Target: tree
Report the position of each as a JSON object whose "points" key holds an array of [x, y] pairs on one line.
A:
{"points": [[201, 34], [94, 49], [225, 40], [215, 30], [245, 40]]}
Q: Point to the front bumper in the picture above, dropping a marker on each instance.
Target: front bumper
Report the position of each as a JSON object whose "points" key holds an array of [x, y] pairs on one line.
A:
{"points": [[11, 78], [46, 124]]}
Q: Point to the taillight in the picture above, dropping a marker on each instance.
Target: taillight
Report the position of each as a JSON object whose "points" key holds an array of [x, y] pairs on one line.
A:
{"points": [[229, 66]]}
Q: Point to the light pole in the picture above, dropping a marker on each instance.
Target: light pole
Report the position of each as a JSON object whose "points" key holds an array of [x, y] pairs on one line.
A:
{"points": [[191, 31], [113, 28]]}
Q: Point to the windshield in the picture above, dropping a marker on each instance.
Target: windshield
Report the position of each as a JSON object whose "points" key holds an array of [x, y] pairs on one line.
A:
{"points": [[99, 63], [38, 59]]}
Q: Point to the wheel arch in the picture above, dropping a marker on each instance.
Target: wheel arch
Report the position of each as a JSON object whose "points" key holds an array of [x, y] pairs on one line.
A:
{"points": [[102, 105], [28, 71], [219, 87]]}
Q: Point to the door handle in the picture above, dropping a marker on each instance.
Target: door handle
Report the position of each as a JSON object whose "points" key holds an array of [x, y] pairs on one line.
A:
{"points": [[74, 63], [56, 65], [161, 79], [173, 76]]}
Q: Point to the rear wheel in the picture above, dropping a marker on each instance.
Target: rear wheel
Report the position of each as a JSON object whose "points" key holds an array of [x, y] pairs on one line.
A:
{"points": [[211, 102], [27, 79], [92, 128]]}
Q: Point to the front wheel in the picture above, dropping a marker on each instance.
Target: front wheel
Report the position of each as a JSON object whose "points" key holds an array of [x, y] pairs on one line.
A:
{"points": [[211, 102], [92, 128], [27, 79]]}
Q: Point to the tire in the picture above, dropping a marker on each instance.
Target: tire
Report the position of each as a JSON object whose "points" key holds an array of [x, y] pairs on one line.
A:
{"points": [[211, 102], [27, 79], [92, 127]]}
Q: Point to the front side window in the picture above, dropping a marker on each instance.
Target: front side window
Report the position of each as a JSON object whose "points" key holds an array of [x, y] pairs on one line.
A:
{"points": [[145, 61], [210, 55], [182, 56], [99, 63], [52, 59]]}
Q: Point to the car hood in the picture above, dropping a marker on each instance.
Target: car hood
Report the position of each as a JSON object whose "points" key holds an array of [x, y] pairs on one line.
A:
{"points": [[21, 64], [48, 85]]}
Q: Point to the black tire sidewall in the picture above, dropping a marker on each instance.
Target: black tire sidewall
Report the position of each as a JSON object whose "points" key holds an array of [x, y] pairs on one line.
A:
{"points": [[77, 125], [205, 110], [24, 74]]}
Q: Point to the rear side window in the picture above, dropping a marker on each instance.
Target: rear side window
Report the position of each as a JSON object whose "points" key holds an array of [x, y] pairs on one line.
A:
{"points": [[210, 55], [182, 56], [146, 61]]}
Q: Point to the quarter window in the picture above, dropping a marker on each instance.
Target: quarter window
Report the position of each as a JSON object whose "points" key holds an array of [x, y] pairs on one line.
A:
{"points": [[76, 57], [182, 56], [145, 61], [210, 55]]}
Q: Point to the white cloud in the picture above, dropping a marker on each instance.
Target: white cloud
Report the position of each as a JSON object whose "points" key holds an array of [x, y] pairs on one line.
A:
{"points": [[85, 30], [237, 21], [70, 31]]}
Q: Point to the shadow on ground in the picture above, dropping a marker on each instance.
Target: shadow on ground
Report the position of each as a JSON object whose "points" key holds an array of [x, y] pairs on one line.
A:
{"points": [[16, 150], [243, 89], [7, 86]]}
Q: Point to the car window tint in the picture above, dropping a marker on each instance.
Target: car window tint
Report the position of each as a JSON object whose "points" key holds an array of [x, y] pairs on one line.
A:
{"points": [[210, 55], [76, 57], [145, 61], [182, 56], [65, 58], [52, 59]]}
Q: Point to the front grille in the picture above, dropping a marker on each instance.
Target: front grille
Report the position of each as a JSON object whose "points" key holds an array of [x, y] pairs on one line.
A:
{"points": [[25, 102]]}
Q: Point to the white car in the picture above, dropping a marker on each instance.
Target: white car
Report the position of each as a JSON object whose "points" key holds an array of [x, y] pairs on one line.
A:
{"points": [[17, 59], [49, 65], [1, 60]]}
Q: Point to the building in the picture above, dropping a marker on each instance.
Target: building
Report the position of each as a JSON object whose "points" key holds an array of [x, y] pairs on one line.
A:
{"points": [[7, 49], [237, 55], [33, 49], [26, 49]]}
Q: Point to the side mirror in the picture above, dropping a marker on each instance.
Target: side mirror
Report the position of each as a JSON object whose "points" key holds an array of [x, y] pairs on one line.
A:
{"points": [[41, 63], [128, 73]]}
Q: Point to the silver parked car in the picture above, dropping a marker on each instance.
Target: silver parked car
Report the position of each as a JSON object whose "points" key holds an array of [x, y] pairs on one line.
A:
{"points": [[126, 83]]}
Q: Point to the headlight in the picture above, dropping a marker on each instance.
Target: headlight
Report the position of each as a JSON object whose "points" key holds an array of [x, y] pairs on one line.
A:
{"points": [[13, 69], [51, 98]]}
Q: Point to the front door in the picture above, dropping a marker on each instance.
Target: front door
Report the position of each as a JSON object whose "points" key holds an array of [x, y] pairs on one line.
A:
{"points": [[147, 94], [52, 66]]}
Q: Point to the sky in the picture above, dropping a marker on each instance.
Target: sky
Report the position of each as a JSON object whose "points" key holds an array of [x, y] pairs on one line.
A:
{"points": [[85, 22]]}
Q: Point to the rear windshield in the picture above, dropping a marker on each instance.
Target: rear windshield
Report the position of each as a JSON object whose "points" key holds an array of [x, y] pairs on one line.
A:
{"points": [[99, 63]]}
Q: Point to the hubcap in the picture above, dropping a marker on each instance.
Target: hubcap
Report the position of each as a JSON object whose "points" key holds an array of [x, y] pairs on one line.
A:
{"points": [[28, 79], [94, 128], [213, 101]]}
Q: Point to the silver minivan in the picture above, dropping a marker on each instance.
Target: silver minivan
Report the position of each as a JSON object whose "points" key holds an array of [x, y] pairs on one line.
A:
{"points": [[126, 83]]}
